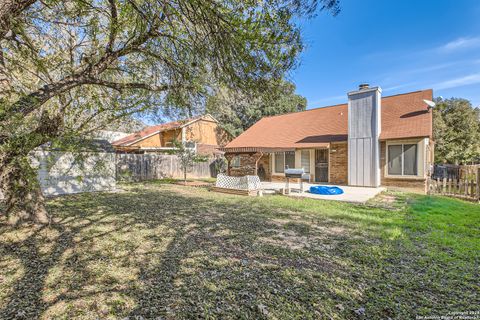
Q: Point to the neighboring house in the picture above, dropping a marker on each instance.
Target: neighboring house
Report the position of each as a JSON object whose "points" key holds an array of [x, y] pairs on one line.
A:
{"points": [[109, 136], [202, 133], [370, 141]]}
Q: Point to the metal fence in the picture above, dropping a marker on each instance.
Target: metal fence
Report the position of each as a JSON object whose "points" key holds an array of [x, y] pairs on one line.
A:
{"points": [[140, 167], [456, 181]]}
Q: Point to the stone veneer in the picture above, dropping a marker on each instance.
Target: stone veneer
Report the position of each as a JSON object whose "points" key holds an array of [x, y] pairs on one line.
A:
{"points": [[247, 164], [338, 163], [417, 184], [265, 163]]}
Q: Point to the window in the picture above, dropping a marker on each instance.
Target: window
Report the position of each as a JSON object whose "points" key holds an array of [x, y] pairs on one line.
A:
{"points": [[306, 160], [279, 162], [402, 160], [236, 162], [410, 159], [290, 159], [284, 160]]}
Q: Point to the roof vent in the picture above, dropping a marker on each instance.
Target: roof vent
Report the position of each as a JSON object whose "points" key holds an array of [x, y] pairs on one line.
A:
{"points": [[363, 86]]}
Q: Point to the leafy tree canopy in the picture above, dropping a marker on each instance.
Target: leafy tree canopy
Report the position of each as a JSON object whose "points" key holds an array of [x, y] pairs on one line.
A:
{"points": [[456, 127], [70, 67], [237, 111]]}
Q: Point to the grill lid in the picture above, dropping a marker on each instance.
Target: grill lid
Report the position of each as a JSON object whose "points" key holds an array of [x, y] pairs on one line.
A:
{"points": [[296, 172]]}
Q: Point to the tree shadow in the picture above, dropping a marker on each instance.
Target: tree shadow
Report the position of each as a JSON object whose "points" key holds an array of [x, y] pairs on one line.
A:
{"points": [[222, 256]]}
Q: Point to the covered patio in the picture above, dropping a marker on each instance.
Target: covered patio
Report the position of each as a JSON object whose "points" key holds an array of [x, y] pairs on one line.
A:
{"points": [[351, 194], [323, 163]]}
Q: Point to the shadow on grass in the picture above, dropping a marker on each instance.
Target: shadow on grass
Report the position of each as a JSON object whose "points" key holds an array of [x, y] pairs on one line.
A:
{"points": [[172, 252]]}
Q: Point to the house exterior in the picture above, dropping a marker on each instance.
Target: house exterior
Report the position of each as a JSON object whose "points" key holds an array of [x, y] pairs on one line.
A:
{"points": [[370, 141], [202, 133]]}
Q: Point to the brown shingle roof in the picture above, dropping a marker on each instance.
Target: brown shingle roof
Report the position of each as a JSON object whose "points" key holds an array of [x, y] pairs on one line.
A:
{"points": [[151, 130], [403, 116]]}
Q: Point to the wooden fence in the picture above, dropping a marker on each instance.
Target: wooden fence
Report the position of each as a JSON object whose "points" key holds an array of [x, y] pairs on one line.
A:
{"points": [[465, 184], [140, 167]]}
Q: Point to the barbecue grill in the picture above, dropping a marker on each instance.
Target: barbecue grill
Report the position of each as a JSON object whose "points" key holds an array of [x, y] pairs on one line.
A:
{"points": [[295, 174]]}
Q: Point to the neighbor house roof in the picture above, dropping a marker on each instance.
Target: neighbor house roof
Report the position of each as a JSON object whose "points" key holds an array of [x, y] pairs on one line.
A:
{"points": [[402, 116], [149, 131]]}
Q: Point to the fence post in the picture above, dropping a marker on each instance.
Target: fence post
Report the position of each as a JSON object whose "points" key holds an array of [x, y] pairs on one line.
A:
{"points": [[478, 184]]}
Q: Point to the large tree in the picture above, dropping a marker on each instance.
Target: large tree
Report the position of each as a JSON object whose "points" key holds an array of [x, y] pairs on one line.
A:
{"points": [[68, 67], [237, 110], [456, 131]]}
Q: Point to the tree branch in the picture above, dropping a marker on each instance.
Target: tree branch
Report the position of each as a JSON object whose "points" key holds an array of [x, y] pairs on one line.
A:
{"points": [[9, 10], [113, 25], [119, 86]]}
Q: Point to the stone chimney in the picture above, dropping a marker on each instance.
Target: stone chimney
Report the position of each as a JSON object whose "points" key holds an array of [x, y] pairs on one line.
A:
{"points": [[364, 127]]}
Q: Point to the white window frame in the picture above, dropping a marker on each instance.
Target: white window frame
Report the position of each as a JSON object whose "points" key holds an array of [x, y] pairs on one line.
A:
{"points": [[402, 175], [309, 160]]}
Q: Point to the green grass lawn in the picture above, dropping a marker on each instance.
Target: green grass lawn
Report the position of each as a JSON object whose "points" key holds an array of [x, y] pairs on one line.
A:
{"points": [[168, 251]]}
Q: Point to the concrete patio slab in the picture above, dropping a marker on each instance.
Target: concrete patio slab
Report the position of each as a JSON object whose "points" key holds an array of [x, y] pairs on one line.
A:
{"points": [[351, 194]]}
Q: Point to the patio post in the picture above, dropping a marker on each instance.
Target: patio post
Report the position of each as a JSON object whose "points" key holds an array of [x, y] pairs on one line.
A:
{"points": [[257, 156], [229, 158]]}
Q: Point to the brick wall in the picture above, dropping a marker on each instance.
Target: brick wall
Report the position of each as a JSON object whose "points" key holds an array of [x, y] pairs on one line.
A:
{"points": [[265, 163], [338, 166], [418, 185], [247, 165]]}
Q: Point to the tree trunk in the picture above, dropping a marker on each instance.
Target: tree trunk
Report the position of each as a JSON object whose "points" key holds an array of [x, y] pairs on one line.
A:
{"points": [[22, 194], [185, 176]]}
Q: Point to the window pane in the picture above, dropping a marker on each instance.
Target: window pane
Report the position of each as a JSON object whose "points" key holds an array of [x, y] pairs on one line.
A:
{"points": [[279, 162], [236, 162], [410, 159], [290, 159], [395, 160], [306, 160]]}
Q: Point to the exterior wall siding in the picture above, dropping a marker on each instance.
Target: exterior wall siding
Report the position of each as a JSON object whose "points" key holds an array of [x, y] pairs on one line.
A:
{"points": [[152, 141], [206, 132], [364, 112], [65, 173]]}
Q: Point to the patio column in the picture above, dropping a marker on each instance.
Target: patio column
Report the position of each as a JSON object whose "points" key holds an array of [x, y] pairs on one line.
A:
{"points": [[229, 157], [256, 156]]}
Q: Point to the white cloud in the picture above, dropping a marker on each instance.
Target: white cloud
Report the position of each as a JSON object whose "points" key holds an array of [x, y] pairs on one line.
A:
{"points": [[334, 99], [461, 43], [400, 86], [458, 82]]}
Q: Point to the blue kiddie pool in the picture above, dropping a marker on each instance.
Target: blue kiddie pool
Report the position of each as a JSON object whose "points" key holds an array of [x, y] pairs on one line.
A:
{"points": [[324, 190]]}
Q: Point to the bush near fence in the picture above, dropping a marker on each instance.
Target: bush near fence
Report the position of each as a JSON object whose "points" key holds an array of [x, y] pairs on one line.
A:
{"points": [[140, 167], [456, 181]]}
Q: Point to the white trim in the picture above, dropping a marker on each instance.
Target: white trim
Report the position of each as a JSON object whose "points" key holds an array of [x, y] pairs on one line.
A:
{"points": [[300, 160], [198, 119], [184, 135], [420, 159]]}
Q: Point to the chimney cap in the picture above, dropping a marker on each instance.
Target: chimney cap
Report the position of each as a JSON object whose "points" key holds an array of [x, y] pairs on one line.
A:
{"points": [[363, 86]]}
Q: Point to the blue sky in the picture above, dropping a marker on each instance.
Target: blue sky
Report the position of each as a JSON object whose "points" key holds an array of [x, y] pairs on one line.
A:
{"points": [[401, 46]]}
